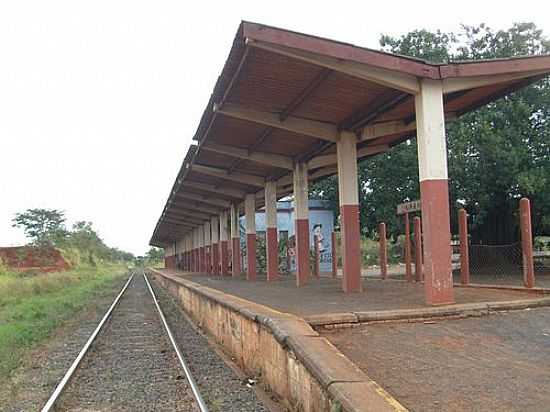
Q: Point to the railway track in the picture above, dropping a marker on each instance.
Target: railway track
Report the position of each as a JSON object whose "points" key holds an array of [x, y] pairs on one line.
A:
{"points": [[131, 362]]}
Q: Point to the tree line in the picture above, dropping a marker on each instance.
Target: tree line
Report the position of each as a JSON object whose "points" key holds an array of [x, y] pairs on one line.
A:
{"points": [[496, 154]]}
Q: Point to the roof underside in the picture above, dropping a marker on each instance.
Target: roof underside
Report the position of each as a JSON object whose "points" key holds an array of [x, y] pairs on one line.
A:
{"points": [[280, 96]]}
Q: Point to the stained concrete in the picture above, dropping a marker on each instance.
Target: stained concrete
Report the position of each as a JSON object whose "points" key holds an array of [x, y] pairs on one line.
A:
{"points": [[324, 295], [499, 362]]}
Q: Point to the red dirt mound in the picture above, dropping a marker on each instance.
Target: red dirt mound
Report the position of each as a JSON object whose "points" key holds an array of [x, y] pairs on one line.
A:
{"points": [[42, 259]]}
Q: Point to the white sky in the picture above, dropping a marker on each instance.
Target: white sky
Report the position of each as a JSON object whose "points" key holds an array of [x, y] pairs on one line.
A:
{"points": [[99, 99]]}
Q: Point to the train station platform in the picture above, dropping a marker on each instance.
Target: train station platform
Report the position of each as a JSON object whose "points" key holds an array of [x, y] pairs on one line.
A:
{"points": [[322, 302]]}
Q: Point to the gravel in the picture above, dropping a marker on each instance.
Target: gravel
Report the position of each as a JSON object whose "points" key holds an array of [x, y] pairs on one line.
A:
{"points": [[131, 366], [219, 385]]}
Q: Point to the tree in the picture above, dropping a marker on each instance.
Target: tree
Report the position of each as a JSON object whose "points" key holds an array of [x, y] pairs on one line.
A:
{"points": [[154, 254], [496, 154], [42, 226]]}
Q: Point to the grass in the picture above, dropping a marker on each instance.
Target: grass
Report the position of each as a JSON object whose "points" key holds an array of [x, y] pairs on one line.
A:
{"points": [[32, 307]]}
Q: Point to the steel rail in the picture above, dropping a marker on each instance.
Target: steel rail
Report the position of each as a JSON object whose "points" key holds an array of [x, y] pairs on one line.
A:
{"points": [[61, 386], [192, 383]]}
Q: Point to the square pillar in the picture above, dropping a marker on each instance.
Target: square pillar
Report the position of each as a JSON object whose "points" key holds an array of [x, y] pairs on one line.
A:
{"points": [[250, 218], [215, 246], [224, 254], [202, 253], [235, 241], [195, 256], [348, 191], [207, 248], [434, 193], [271, 243], [301, 222]]}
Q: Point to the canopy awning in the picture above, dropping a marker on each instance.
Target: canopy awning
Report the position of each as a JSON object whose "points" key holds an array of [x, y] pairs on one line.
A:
{"points": [[283, 97]]}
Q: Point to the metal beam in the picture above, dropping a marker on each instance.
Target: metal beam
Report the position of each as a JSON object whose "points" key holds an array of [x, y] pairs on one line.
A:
{"points": [[224, 174], [270, 159], [311, 128]]}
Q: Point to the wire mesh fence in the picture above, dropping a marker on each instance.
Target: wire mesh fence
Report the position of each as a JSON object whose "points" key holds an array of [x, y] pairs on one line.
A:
{"points": [[501, 264]]}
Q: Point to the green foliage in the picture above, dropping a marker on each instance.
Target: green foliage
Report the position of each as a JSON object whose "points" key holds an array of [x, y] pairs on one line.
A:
{"points": [[496, 154], [154, 256], [32, 307], [81, 244], [42, 226]]}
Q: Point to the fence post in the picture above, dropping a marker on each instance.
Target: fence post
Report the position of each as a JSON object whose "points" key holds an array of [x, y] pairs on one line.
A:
{"points": [[418, 272], [527, 243], [334, 258], [317, 256], [408, 268], [464, 247], [383, 250]]}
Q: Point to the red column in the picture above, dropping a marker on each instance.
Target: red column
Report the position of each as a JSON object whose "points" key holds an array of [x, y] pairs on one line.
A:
{"points": [[301, 222], [207, 258], [434, 192], [346, 151], [235, 256], [383, 250], [224, 258], [334, 257], [215, 259], [418, 273], [250, 218], [202, 259], [464, 249], [272, 253], [527, 243], [408, 266]]}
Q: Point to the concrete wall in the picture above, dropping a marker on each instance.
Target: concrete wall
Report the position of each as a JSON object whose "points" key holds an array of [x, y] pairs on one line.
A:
{"points": [[304, 370]]}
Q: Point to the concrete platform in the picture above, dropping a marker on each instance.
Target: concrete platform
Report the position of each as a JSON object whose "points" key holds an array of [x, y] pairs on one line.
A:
{"points": [[324, 295], [494, 363]]}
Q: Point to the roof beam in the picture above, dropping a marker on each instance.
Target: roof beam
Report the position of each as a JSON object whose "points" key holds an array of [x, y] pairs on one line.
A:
{"points": [[387, 128], [369, 114], [215, 189], [331, 159], [234, 176], [397, 80], [455, 84], [187, 217], [270, 159], [190, 213], [311, 128], [195, 206], [209, 200]]}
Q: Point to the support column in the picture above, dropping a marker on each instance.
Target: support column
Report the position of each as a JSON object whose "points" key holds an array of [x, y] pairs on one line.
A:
{"points": [[207, 248], [250, 216], [224, 254], [527, 243], [408, 254], [334, 257], [464, 247], [434, 192], [349, 212], [194, 254], [301, 223], [235, 241], [202, 253], [271, 243], [383, 254], [215, 246], [418, 273]]}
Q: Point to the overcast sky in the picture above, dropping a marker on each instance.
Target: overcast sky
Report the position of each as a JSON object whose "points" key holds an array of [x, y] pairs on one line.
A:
{"points": [[99, 99]]}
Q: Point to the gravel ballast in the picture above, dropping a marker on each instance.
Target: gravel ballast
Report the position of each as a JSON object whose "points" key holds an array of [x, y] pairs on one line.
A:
{"points": [[220, 386]]}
